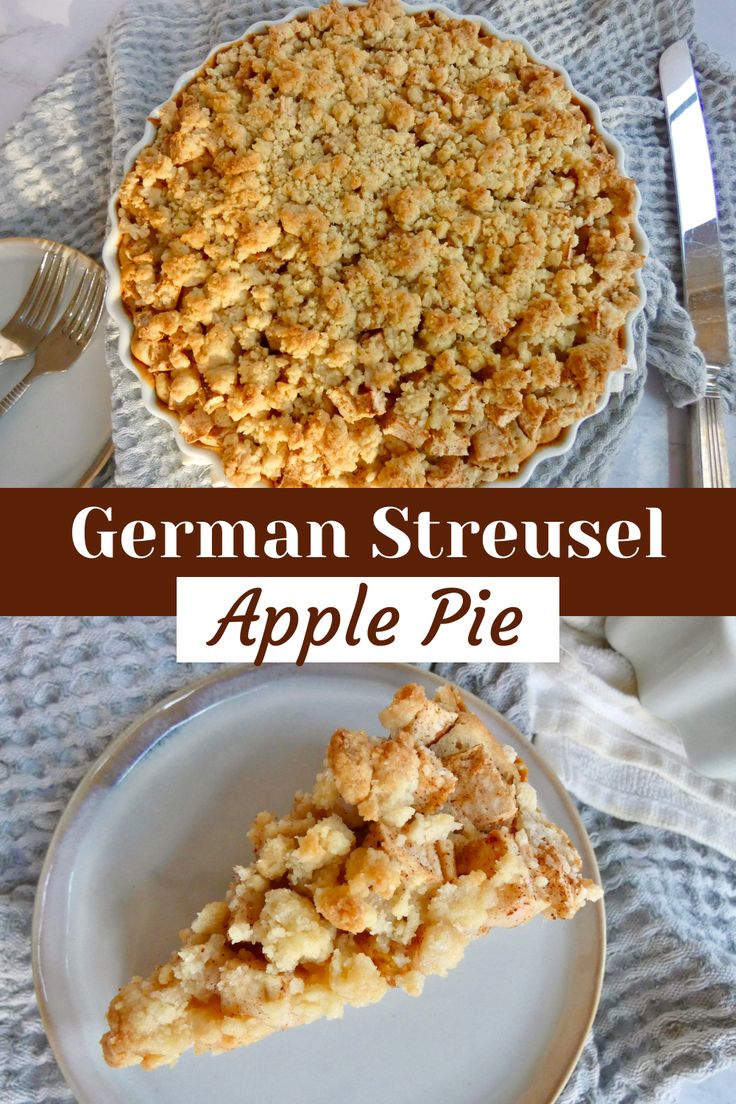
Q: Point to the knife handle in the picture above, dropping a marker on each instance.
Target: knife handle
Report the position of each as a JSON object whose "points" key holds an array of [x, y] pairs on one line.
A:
{"points": [[709, 453]]}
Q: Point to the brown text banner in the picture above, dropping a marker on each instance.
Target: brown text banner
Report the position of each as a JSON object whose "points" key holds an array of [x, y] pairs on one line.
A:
{"points": [[121, 551]]}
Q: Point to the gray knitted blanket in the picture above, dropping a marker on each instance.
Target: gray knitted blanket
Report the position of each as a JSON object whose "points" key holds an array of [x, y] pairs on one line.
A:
{"points": [[58, 165], [69, 685]]}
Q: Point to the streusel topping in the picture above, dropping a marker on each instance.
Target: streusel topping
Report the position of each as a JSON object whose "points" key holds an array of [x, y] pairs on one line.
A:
{"points": [[406, 849], [371, 247]]}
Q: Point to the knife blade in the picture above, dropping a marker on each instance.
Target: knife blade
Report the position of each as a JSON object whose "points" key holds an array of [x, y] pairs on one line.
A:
{"points": [[702, 260]]}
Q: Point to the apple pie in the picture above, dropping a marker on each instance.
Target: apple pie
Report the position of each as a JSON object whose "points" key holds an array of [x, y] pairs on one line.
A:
{"points": [[375, 247], [406, 849]]}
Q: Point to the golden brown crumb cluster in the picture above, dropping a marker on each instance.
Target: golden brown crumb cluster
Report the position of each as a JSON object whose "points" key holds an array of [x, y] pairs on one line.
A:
{"points": [[371, 247], [406, 849]]}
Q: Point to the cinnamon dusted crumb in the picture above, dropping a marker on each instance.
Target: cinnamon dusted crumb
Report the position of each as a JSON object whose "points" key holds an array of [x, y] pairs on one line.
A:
{"points": [[372, 247], [406, 849]]}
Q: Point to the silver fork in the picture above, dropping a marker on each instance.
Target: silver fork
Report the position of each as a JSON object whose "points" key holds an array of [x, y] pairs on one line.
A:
{"points": [[69, 337], [23, 333]]}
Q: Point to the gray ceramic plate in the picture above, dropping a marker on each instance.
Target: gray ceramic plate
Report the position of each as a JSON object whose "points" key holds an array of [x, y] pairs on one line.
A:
{"points": [[152, 834]]}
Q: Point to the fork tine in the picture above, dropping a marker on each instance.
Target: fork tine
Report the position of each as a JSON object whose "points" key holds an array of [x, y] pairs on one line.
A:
{"points": [[88, 306], [74, 304], [55, 284], [42, 295], [35, 286], [96, 309], [93, 314], [76, 324], [88, 320]]}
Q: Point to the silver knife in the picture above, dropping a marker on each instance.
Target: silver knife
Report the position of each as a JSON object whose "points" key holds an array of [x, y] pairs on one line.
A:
{"points": [[701, 258]]}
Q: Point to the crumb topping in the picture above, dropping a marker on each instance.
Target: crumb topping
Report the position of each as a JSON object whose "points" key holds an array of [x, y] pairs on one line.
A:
{"points": [[369, 247], [406, 849]]}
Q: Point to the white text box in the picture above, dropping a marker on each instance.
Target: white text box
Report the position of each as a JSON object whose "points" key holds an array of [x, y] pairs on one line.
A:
{"points": [[297, 619]]}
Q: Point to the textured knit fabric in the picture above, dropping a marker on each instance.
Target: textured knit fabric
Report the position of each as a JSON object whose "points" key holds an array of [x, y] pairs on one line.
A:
{"points": [[69, 685], [59, 164]]}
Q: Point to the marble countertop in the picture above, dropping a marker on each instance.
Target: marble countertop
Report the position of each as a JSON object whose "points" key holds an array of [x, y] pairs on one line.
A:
{"points": [[37, 38]]}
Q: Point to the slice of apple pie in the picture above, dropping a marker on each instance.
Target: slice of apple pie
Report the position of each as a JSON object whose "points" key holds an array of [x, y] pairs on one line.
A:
{"points": [[406, 849]]}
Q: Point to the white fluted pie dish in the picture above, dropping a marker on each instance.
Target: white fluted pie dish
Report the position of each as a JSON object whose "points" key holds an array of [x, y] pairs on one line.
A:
{"points": [[200, 454]]}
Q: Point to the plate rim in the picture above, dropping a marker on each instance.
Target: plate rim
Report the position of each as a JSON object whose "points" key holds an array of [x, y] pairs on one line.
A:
{"points": [[156, 723], [102, 457], [201, 455]]}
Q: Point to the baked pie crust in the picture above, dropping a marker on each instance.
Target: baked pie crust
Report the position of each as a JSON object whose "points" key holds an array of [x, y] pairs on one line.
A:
{"points": [[407, 848], [371, 247]]}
